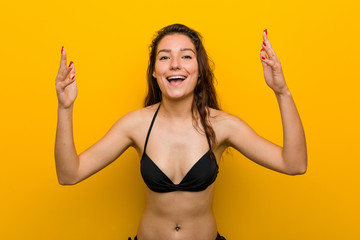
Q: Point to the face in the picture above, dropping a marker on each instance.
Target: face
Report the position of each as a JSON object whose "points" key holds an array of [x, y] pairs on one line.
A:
{"points": [[176, 66]]}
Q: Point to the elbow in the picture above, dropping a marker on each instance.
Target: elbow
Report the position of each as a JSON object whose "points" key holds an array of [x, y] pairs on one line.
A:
{"points": [[303, 170], [66, 181], [66, 176], [299, 169]]}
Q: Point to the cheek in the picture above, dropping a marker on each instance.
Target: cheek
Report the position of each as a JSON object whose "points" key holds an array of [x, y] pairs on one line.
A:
{"points": [[191, 67], [196, 67], [159, 69]]}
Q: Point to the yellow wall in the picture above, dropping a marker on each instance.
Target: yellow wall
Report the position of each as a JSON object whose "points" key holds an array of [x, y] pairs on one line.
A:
{"points": [[317, 43]]}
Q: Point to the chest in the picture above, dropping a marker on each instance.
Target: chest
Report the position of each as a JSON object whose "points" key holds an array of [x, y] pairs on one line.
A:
{"points": [[176, 149]]}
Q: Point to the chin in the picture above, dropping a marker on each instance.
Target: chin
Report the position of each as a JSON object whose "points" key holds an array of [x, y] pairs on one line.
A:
{"points": [[177, 96]]}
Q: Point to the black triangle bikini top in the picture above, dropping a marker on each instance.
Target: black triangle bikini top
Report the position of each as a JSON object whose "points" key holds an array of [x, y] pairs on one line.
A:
{"points": [[202, 174]]}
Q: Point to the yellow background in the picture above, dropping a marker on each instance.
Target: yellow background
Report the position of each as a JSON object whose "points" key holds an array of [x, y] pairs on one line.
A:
{"points": [[317, 43]]}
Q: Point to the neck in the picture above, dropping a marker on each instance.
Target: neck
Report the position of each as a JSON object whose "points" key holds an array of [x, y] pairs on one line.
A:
{"points": [[177, 109]]}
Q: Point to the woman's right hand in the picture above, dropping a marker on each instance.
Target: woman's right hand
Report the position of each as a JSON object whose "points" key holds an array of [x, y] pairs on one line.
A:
{"points": [[65, 83]]}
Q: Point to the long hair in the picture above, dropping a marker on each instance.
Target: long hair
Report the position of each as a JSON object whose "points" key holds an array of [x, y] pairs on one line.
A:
{"points": [[204, 93]]}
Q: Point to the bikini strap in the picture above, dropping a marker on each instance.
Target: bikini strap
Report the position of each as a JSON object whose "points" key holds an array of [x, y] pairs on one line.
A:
{"points": [[208, 139], [151, 125]]}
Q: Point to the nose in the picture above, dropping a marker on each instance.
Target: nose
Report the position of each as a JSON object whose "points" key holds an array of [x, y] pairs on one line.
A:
{"points": [[175, 63]]}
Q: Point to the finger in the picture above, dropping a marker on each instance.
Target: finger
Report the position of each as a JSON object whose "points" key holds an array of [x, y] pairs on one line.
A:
{"points": [[62, 75], [72, 71], [266, 41], [265, 60], [62, 85], [267, 46], [63, 59], [268, 49], [265, 37]]}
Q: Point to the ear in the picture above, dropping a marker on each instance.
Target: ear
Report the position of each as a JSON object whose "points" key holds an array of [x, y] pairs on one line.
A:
{"points": [[153, 74]]}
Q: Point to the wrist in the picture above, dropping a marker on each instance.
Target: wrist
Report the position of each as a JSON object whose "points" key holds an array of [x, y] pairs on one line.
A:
{"points": [[284, 92], [65, 109]]}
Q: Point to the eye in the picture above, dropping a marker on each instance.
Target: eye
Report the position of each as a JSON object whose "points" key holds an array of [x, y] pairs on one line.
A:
{"points": [[187, 57], [164, 57]]}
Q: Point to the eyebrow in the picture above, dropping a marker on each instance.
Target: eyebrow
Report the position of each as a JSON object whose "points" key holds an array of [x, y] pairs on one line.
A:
{"points": [[181, 49]]}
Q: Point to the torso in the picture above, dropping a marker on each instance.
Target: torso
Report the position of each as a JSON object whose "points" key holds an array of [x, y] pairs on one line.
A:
{"points": [[177, 214]]}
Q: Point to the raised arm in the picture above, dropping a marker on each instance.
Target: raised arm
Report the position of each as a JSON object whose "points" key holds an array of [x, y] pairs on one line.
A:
{"points": [[66, 158], [72, 168], [292, 157]]}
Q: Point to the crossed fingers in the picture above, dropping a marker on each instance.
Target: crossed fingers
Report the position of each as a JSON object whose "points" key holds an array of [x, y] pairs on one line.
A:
{"points": [[66, 75], [267, 54]]}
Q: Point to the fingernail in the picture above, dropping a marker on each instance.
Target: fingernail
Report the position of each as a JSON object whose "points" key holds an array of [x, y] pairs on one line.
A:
{"points": [[62, 49], [264, 44], [265, 31], [262, 58], [71, 63], [73, 77]]}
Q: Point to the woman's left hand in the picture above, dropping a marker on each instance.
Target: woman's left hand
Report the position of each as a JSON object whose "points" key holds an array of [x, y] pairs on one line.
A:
{"points": [[273, 73]]}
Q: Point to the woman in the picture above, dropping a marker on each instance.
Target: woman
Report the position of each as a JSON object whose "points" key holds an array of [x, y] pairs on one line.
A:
{"points": [[180, 136]]}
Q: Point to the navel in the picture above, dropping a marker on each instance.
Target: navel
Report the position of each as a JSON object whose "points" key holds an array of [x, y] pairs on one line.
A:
{"points": [[177, 228]]}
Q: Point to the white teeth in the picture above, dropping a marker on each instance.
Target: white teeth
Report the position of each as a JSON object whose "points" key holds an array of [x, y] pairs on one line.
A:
{"points": [[176, 77]]}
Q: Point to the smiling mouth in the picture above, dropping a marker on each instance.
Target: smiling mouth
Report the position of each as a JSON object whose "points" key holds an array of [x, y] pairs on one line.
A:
{"points": [[176, 80]]}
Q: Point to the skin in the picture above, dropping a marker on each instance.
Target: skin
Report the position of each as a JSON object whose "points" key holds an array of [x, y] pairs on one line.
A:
{"points": [[173, 137]]}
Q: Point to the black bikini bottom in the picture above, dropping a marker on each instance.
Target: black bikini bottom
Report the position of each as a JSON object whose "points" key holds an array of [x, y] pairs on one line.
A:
{"points": [[218, 237]]}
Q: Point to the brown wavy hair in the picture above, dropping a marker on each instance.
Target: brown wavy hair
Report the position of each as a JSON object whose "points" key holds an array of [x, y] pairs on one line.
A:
{"points": [[204, 93]]}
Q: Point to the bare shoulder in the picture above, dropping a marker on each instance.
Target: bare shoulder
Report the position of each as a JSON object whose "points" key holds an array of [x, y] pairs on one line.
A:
{"points": [[226, 125], [135, 124], [137, 117], [219, 117]]}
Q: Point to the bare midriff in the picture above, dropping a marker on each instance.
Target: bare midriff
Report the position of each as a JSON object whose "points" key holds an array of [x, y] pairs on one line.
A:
{"points": [[178, 215]]}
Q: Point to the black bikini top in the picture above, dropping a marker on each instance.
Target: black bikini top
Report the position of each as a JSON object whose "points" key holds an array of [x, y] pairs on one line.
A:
{"points": [[202, 174]]}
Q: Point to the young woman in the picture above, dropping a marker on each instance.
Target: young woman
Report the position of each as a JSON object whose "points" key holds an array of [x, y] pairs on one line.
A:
{"points": [[180, 136]]}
